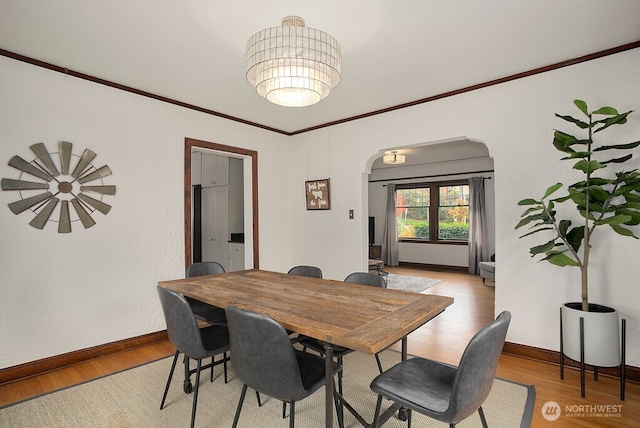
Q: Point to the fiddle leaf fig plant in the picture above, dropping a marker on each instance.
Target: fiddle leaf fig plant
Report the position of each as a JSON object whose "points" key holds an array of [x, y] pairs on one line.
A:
{"points": [[606, 195]]}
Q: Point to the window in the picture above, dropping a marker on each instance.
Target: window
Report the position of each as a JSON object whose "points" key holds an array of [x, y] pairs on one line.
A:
{"points": [[434, 212]]}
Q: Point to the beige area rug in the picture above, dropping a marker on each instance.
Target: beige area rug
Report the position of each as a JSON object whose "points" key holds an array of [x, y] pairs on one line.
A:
{"points": [[132, 399], [415, 284]]}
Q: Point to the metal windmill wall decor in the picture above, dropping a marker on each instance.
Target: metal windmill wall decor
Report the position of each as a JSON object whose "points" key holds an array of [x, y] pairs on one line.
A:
{"points": [[64, 179]]}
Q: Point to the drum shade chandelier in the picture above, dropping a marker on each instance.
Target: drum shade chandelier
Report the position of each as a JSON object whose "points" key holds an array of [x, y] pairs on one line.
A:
{"points": [[293, 65], [393, 158]]}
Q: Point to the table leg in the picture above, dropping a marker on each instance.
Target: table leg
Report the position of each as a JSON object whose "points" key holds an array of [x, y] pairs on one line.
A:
{"points": [[403, 414], [328, 378], [404, 348]]}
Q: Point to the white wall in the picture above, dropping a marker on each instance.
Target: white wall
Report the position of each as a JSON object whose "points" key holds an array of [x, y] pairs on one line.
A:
{"points": [[63, 292], [59, 293], [516, 121]]}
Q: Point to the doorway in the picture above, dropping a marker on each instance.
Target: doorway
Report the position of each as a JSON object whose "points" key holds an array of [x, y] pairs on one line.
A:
{"points": [[249, 160]]}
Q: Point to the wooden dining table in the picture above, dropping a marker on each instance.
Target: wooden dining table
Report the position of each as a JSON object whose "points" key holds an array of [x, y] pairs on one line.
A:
{"points": [[359, 317]]}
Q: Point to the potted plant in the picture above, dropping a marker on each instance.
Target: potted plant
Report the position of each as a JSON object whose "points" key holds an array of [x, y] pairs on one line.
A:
{"points": [[606, 197]]}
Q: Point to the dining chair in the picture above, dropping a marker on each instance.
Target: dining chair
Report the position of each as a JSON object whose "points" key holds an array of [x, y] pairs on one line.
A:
{"points": [[303, 270], [339, 352], [265, 360], [203, 311], [194, 342], [443, 392]]}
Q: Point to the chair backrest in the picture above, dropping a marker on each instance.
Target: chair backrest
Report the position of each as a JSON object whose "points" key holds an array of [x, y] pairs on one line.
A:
{"points": [[303, 270], [477, 369], [263, 357], [204, 268], [182, 327], [366, 278]]}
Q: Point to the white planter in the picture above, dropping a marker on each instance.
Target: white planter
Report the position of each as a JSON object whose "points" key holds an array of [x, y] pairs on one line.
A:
{"points": [[601, 334]]}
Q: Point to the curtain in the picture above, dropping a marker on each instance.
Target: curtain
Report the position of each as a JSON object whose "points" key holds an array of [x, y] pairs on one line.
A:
{"points": [[477, 225], [390, 247]]}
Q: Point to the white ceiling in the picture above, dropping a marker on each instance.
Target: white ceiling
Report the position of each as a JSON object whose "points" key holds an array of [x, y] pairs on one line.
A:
{"points": [[394, 52]]}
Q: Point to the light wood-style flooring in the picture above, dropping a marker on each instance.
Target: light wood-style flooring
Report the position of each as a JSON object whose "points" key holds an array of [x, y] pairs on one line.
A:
{"points": [[443, 338]]}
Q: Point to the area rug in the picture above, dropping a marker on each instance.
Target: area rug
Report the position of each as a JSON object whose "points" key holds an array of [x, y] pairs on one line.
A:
{"points": [[415, 284], [132, 399]]}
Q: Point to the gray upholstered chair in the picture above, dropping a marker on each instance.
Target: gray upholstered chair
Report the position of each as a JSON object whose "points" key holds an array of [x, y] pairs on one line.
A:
{"points": [[193, 342], [366, 278], [265, 360], [488, 269], [443, 392], [339, 352], [203, 311], [302, 270]]}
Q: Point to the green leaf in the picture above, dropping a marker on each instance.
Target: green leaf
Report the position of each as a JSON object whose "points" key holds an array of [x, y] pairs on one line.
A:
{"points": [[551, 190], [618, 160], [529, 201], [598, 194], [610, 111], [588, 166], [574, 155], [623, 231], [540, 229], [575, 237], [561, 259], [564, 226], [528, 220], [614, 220], [582, 106], [618, 146], [532, 210], [615, 120], [580, 123], [544, 248]]}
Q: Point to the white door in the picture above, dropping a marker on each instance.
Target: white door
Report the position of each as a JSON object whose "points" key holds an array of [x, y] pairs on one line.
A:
{"points": [[215, 225]]}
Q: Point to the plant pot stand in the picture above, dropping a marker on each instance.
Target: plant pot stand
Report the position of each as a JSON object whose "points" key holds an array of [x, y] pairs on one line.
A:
{"points": [[595, 368]]}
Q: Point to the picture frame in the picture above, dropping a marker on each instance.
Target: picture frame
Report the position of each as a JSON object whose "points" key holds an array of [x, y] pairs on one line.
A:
{"points": [[318, 194]]}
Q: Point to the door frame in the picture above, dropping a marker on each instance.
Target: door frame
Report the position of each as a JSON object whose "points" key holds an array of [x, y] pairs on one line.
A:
{"points": [[190, 143]]}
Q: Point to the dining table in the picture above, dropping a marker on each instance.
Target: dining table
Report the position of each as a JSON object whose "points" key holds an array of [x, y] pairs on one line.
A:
{"points": [[359, 317]]}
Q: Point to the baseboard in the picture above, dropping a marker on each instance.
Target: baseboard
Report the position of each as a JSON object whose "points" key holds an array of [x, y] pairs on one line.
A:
{"points": [[46, 365], [631, 373], [435, 268]]}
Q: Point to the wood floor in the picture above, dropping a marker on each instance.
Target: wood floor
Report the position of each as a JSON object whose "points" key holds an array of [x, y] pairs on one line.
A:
{"points": [[443, 338]]}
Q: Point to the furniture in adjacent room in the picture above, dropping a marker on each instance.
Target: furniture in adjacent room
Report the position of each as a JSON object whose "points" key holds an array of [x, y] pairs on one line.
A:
{"points": [[337, 313], [488, 269], [193, 342], [443, 392], [265, 360]]}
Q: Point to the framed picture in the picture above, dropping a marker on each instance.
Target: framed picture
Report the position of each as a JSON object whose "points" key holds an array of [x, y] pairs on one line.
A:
{"points": [[318, 194]]}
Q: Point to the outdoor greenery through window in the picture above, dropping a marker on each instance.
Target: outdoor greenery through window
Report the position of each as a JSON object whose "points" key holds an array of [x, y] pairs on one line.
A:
{"points": [[433, 212]]}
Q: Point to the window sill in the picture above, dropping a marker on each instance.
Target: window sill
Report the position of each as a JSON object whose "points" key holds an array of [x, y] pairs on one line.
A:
{"points": [[439, 242]]}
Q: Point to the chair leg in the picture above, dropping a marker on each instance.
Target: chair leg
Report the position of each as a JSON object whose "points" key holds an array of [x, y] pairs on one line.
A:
{"points": [[292, 415], [195, 394], [213, 360], [409, 414], [235, 419], [284, 409], [224, 365], [166, 388], [376, 416], [482, 418], [340, 375], [258, 397]]}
